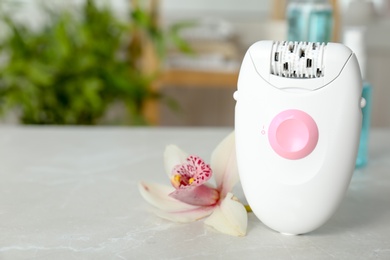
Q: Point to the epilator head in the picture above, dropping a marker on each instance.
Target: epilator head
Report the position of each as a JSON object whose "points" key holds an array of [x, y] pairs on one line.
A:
{"points": [[297, 124]]}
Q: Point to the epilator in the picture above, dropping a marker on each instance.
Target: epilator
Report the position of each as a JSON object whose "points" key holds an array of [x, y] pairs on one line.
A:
{"points": [[297, 124]]}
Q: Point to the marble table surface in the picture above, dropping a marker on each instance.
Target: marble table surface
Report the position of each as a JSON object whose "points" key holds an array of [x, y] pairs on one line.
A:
{"points": [[71, 193]]}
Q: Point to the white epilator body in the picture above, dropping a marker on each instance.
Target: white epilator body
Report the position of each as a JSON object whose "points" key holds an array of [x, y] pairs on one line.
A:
{"points": [[297, 126]]}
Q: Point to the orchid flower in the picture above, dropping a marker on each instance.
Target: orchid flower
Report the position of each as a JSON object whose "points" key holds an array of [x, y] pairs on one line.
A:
{"points": [[191, 198]]}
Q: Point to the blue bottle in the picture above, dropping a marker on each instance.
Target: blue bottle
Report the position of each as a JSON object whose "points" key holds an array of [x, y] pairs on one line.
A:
{"points": [[362, 157], [309, 20]]}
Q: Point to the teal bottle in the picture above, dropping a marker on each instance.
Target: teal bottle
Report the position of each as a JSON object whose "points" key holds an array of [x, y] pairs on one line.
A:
{"points": [[309, 21], [362, 157]]}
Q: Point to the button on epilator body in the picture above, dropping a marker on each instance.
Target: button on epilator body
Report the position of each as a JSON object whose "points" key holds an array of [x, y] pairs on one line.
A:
{"points": [[293, 134]]}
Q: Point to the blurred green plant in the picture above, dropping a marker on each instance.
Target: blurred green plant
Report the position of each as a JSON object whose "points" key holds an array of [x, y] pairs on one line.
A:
{"points": [[77, 65]]}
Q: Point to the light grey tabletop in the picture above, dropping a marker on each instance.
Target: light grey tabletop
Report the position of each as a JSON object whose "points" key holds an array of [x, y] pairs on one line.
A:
{"points": [[71, 193]]}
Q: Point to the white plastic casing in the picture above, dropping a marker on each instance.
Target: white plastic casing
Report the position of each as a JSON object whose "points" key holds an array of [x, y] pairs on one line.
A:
{"points": [[298, 192]]}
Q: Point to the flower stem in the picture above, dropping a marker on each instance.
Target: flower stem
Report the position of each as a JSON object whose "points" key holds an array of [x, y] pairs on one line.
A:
{"points": [[248, 208]]}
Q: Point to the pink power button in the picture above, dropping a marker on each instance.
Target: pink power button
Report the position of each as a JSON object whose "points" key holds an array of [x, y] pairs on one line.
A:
{"points": [[293, 134]]}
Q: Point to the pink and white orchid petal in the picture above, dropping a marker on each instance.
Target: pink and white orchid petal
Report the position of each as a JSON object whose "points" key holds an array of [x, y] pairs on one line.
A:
{"points": [[203, 171], [173, 156], [229, 218], [198, 195], [224, 165], [158, 196], [186, 215]]}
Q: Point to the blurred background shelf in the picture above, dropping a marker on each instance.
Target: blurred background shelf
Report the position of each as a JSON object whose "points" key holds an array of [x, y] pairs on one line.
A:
{"points": [[201, 79], [200, 97]]}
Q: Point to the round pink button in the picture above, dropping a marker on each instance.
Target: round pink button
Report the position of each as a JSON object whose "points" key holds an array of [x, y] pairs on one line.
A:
{"points": [[293, 134]]}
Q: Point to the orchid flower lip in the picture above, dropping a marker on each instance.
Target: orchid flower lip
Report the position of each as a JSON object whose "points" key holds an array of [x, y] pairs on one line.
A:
{"points": [[193, 172]]}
